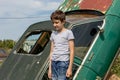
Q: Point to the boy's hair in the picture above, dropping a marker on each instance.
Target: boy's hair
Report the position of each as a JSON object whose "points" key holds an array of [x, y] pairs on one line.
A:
{"points": [[58, 15]]}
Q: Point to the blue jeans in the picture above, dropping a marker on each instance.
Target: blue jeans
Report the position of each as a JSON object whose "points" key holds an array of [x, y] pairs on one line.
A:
{"points": [[59, 69]]}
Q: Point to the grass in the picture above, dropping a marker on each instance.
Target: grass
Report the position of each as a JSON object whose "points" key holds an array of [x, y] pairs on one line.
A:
{"points": [[116, 67]]}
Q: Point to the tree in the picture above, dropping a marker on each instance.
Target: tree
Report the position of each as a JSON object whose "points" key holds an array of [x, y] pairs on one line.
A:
{"points": [[7, 43]]}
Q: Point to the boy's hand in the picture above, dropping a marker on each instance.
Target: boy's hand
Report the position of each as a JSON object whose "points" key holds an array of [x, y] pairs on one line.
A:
{"points": [[49, 74], [69, 72]]}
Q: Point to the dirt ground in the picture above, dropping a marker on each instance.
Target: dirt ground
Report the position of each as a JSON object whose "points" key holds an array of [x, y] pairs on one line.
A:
{"points": [[114, 77]]}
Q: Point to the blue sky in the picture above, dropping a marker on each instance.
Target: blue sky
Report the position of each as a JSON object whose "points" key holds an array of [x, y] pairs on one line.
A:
{"points": [[17, 15]]}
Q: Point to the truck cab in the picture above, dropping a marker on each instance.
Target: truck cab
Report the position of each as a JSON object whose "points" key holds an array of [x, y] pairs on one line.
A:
{"points": [[29, 58]]}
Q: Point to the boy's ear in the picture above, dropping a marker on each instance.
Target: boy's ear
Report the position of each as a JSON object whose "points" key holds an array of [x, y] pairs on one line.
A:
{"points": [[64, 21]]}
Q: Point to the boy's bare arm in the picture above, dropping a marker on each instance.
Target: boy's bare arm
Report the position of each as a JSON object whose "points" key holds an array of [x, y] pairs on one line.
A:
{"points": [[49, 71], [71, 44], [51, 49], [69, 71]]}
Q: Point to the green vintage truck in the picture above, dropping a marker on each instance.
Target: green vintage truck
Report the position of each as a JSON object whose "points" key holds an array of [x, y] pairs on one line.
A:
{"points": [[97, 40]]}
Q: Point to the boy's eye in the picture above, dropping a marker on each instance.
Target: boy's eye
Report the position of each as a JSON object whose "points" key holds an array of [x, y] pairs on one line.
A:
{"points": [[55, 22]]}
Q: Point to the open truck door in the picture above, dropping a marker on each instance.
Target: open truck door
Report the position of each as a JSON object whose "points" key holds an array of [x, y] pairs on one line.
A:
{"points": [[29, 58]]}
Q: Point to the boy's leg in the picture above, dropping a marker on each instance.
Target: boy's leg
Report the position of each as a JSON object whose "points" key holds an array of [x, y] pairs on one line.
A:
{"points": [[54, 71], [62, 68]]}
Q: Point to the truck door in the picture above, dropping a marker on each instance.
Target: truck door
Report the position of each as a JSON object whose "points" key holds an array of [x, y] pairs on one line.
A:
{"points": [[29, 59], [84, 37]]}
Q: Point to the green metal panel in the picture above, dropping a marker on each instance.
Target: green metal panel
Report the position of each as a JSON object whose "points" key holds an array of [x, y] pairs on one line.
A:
{"points": [[69, 5], [77, 60], [105, 47], [85, 74]]}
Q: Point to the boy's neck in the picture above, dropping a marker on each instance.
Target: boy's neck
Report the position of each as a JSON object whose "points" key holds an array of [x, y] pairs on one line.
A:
{"points": [[62, 30]]}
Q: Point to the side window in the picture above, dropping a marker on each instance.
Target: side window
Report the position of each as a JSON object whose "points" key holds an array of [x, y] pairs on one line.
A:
{"points": [[34, 43], [84, 36]]}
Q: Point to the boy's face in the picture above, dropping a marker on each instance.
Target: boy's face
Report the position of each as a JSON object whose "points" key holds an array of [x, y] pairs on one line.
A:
{"points": [[58, 25]]}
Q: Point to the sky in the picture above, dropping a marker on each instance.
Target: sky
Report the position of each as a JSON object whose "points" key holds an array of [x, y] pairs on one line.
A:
{"points": [[17, 15]]}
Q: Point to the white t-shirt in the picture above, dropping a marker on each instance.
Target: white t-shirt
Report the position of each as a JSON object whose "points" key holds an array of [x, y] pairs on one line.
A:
{"points": [[61, 49]]}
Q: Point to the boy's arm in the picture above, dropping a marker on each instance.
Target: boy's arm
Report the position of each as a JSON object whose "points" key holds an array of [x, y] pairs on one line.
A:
{"points": [[51, 50], [69, 71], [49, 71]]}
